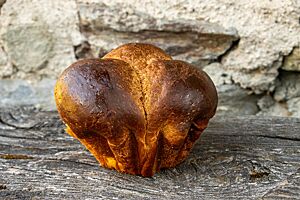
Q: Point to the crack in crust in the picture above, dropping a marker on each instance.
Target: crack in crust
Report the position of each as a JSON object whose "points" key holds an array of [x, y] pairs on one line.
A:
{"points": [[136, 109]]}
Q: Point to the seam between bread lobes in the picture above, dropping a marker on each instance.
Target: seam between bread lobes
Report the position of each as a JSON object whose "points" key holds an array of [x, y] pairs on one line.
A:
{"points": [[139, 58]]}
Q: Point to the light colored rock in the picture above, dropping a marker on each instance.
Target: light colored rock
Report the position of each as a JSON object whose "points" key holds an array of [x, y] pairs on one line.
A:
{"points": [[234, 100], [294, 107], [20, 92], [218, 74], [265, 102], [259, 80], [39, 35], [277, 109], [292, 61], [269, 107], [191, 47], [107, 26], [6, 68], [28, 47], [268, 29]]}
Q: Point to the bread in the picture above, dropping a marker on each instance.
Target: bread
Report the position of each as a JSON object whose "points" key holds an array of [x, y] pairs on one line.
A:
{"points": [[136, 110]]}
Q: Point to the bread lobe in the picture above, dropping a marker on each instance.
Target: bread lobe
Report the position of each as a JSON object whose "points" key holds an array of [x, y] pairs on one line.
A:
{"points": [[99, 102]]}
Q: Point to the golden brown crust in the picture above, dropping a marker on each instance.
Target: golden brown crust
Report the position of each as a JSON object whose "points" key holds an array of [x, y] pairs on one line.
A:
{"points": [[136, 110], [180, 96], [99, 102]]}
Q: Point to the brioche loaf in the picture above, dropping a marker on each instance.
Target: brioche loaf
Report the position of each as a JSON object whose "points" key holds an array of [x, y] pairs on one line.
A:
{"points": [[136, 110]]}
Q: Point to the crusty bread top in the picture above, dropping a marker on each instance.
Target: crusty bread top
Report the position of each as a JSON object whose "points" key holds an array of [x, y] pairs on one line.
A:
{"points": [[96, 95]]}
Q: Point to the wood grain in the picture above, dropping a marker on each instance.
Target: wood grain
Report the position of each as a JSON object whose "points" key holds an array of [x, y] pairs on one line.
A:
{"points": [[236, 158]]}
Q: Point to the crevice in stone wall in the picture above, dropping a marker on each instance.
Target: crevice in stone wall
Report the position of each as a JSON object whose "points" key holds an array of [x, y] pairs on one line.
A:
{"points": [[2, 2], [291, 52], [234, 45], [7, 75], [291, 61], [264, 96], [286, 88], [197, 48], [82, 50], [195, 41]]}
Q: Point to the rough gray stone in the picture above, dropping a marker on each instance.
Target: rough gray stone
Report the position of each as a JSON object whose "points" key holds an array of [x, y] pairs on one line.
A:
{"points": [[38, 36], [294, 107], [269, 107], [288, 86], [259, 80], [277, 109], [107, 26], [268, 29], [20, 92], [218, 74], [234, 100], [292, 61], [193, 47], [291, 108], [6, 68], [28, 47], [265, 102]]}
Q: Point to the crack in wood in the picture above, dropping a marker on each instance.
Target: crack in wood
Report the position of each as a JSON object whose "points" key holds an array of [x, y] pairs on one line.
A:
{"points": [[72, 161], [21, 125], [279, 137], [3, 187], [6, 126], [1, 4], [18, 137], [15, 156]]}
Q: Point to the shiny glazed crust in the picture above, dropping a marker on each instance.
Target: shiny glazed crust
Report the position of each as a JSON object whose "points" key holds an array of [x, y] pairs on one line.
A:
{"points": [[136, 109]]}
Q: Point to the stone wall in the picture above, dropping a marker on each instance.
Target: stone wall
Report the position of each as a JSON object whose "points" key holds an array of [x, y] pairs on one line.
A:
{"points": [[250, 49]]}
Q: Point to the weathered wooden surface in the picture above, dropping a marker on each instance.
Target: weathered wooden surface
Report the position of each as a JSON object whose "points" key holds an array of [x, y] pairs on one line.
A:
{"points": [[236, 158]]}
